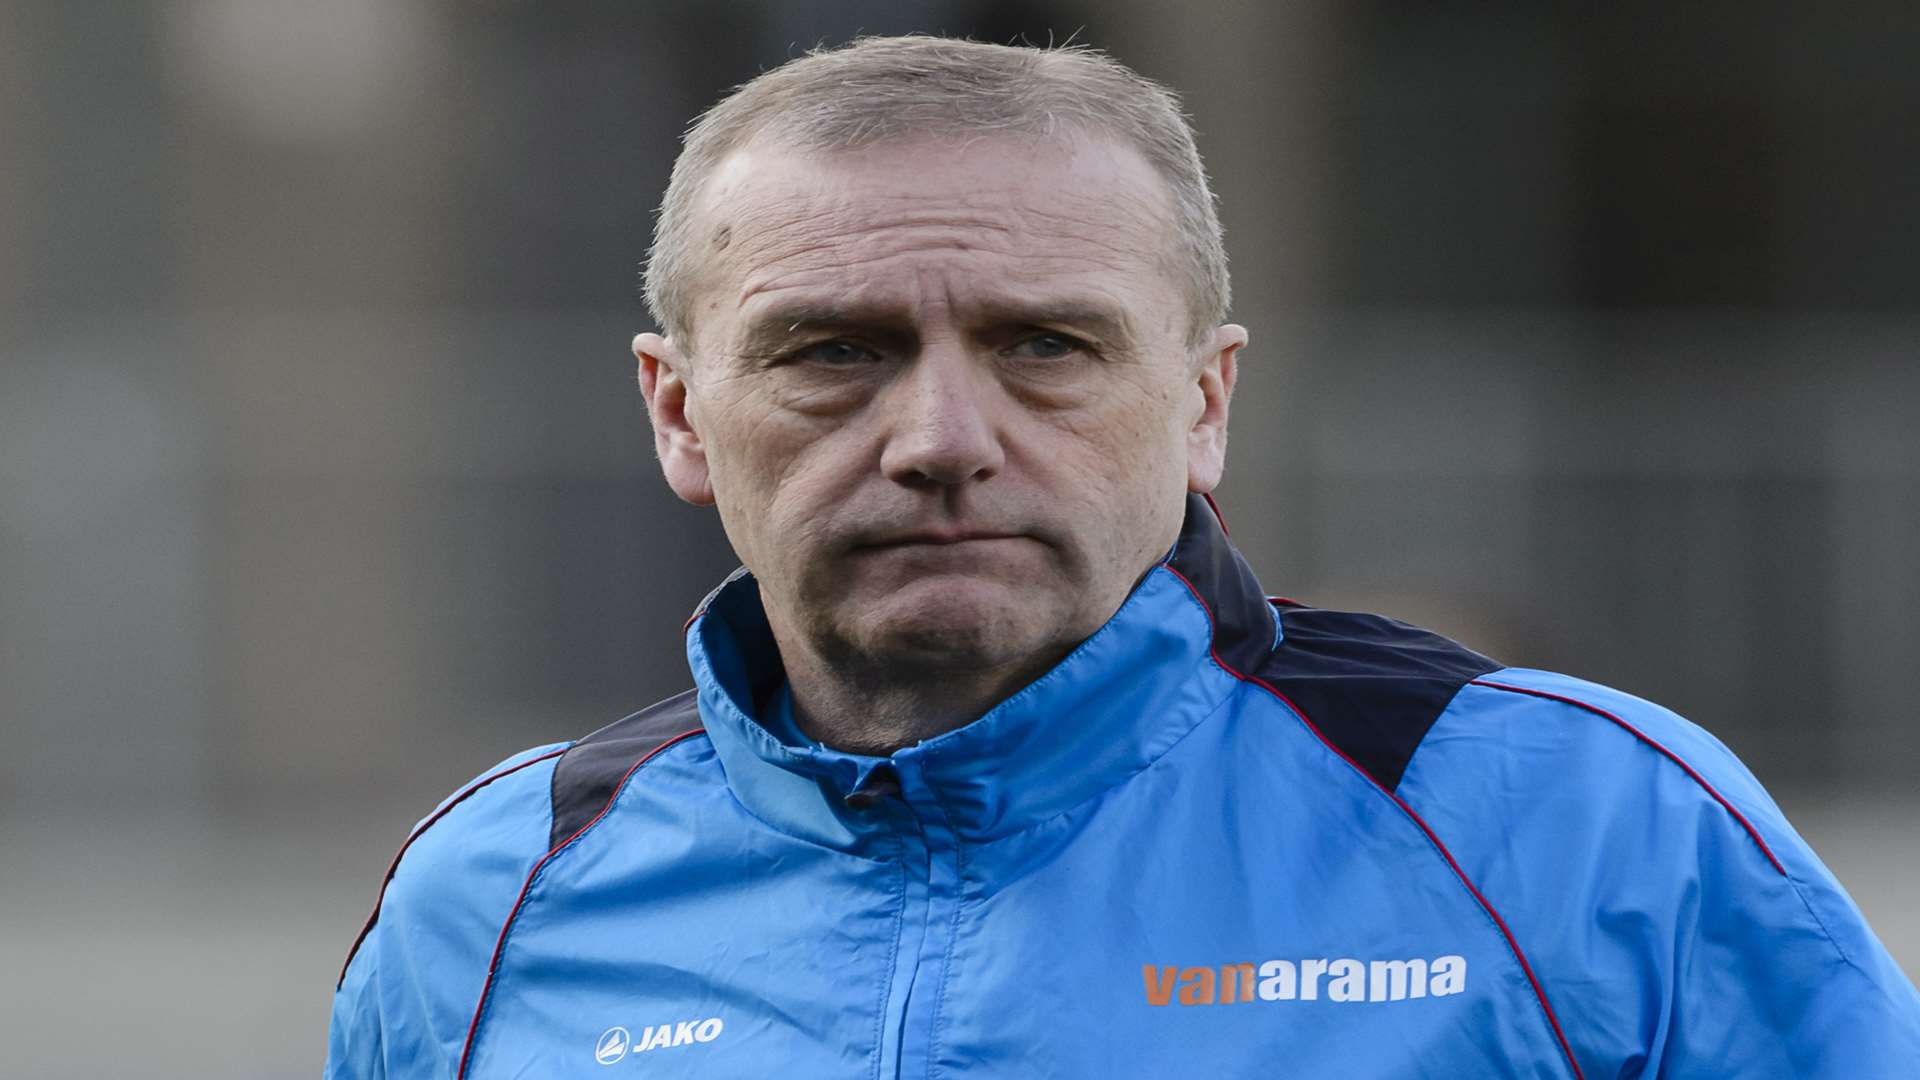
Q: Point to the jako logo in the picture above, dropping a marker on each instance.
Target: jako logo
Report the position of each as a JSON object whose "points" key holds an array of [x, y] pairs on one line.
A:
{"points": [[1287, 980], [615, 1043], [612, 1045]]}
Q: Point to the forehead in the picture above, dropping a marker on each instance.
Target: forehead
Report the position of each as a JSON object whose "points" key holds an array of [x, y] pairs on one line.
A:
{"points": [[948, 221]]}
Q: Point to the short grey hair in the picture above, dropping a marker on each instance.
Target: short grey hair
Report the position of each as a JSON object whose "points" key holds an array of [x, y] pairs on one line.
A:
{"points": [[880, 88]]}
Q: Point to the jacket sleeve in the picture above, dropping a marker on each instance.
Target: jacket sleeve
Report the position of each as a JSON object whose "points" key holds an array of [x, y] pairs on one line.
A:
{"points": [[1679, 927], [1781, 982], [353, 1037]]}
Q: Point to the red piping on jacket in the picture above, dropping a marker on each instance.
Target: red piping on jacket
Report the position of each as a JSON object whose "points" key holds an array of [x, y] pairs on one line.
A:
{"points": [[1217, 515], [414, 835], [499, 946], [1539, 992], [1645, 738]]}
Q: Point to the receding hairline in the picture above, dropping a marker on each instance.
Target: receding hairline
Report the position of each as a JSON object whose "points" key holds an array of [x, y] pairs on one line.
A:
{"points": [[1146, 206], [886, 90]]}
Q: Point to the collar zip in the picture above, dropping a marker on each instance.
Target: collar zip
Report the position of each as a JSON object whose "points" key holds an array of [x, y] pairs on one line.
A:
{"points": [[882, 781]]}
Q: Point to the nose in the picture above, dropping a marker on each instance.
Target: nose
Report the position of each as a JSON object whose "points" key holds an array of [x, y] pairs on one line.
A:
{"points": [[942, 430]]}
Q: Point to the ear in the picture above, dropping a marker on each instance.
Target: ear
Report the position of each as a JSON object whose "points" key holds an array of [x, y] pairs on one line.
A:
{"points": [[1211, 390], [663, 382]]}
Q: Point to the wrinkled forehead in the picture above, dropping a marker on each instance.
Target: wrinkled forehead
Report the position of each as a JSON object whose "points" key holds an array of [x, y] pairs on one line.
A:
{"points": [[985, 215]]}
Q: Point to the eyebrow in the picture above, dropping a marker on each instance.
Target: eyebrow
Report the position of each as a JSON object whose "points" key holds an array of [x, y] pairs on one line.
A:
{"points": [[773, 329], [1107, 322]]}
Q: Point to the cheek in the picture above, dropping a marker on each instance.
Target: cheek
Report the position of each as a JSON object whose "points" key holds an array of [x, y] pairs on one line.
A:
{"points": [[746, 461], [778, 479], [1118, 470], [1127, 445], [1146, 472]]}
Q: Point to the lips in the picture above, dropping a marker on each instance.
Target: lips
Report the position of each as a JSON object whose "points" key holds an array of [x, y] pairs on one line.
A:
{"points": [[933, 538], [943, 538], [937, 540]]}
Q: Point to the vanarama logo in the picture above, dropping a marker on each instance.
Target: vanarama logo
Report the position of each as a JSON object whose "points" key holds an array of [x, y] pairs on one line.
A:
{"points": [[616, 1043], [1345, 979]]}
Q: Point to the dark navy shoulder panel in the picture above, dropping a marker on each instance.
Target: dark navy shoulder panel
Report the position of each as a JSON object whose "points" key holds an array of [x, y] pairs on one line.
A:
{"points": [[589, 773], [1371, 685]]}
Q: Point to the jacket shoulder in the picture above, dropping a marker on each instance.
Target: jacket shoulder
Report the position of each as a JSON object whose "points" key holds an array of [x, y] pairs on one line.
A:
{"points": [[1601, 744], [496, 818], [405, 993], [488, 834], [1669, 908]]}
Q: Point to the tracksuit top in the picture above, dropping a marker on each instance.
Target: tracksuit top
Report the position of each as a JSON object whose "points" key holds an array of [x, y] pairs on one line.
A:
{"points": [[1227, 836]]}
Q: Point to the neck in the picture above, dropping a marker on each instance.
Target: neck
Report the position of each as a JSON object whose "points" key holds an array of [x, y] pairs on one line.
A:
{"points": [[862, 709]]}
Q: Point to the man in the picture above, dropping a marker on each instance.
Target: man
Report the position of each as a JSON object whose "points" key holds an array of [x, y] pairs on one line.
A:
{"points": [[999, 762]]}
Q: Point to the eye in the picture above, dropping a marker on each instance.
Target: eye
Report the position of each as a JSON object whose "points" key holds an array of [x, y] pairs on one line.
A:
{"points": [[833, 354], [1049, 346]]}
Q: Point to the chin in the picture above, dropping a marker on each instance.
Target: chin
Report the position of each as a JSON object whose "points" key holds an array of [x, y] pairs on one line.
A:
{"points": [[963, 629]]}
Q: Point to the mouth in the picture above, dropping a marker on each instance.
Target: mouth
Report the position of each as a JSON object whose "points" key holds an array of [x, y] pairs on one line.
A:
{"points": [[934, 538]]}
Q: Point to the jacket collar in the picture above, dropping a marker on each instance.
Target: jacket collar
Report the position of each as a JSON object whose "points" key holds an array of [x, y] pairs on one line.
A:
{"points": [[1159, 666]]}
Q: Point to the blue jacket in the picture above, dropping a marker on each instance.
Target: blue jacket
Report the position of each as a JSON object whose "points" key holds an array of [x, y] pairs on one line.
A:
{"points": [[1225, 837]]}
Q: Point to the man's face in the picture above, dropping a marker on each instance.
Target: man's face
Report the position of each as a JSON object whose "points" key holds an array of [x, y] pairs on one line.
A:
{"points": [[941, 394]]}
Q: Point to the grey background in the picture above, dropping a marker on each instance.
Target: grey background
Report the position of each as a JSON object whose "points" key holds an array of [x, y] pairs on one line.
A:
{"points": [[1586, 336]]}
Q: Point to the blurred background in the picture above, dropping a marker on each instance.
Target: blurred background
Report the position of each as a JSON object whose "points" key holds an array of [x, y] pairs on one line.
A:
{"points": [[1590, 336]]}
